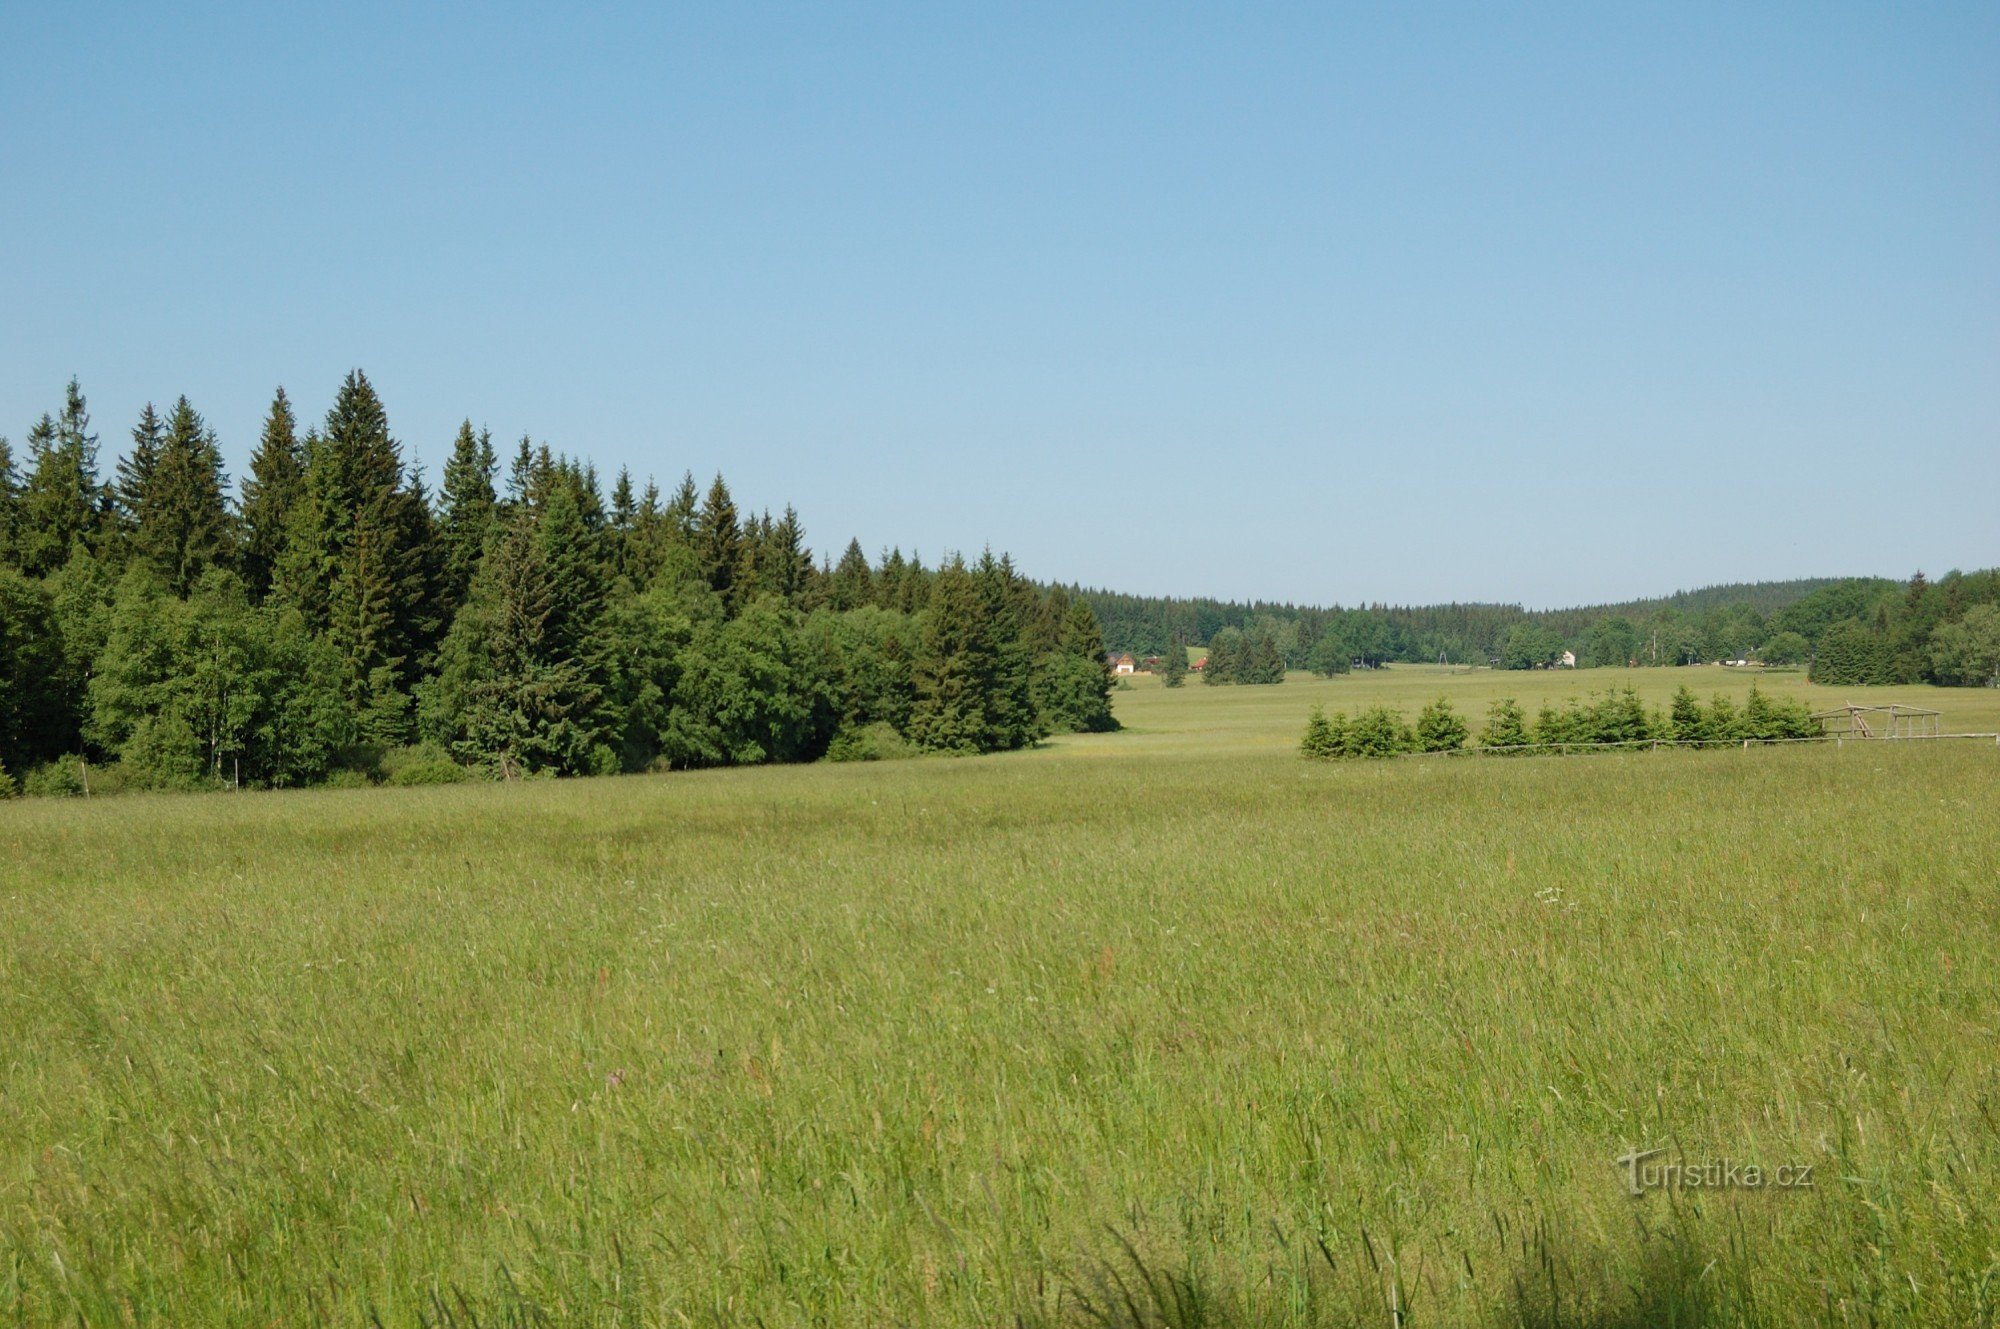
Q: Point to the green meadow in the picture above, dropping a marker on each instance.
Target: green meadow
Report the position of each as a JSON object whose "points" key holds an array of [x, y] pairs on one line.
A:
{"points": [[1164, 1027]]}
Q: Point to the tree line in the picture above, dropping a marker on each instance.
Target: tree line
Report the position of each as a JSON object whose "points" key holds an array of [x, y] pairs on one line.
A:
{"points": [[1616, 717], [1874, 629], [335, 619]]}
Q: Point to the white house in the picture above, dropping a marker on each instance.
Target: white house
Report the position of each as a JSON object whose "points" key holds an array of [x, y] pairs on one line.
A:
{"points": [[1567, 660]]}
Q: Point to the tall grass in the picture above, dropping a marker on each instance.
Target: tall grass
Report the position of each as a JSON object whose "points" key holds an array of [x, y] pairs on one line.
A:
{"points": [[1196, 1034]]}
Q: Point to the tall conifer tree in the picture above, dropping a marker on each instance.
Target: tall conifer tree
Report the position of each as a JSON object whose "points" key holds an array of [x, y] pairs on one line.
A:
{"points": [[183, 519], [469, 507], [853, 582], [718, 541], [133, 477], [272, 489], [10, 501]]}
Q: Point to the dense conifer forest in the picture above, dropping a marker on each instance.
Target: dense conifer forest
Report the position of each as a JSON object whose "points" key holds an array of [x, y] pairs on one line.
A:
{"points": [[337, 620], [1845, 630]]}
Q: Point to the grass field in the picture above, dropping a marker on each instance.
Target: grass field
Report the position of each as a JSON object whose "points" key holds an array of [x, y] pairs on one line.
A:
{"points": [[1162, 1027]]}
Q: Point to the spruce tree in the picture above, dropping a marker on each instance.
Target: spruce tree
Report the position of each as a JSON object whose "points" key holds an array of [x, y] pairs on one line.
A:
{"points": [[521, 474], [789, 561], [1506, 725], [645, 547], [1225, 657], [133, 478], [1011, 705], [1073, 679], [956, 667], [361, 626], [535, 705], [272, 489], [183, 519], [1439, 728], [852, 584], [360, 563], [60, 500], [10, 501], [1325, 736], [1685, 722], [683, 509], [719, 545], [1174, 668], [469, 507], [574, 565]]}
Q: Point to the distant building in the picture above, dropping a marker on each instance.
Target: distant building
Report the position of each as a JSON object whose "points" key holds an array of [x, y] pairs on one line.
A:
{"points": [[1567, 660], [1123, 663]]}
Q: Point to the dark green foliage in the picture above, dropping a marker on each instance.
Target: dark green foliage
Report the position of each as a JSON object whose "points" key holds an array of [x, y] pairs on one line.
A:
{"points": [[1379, 732], [180, 516], [1766, 718], [59, 501], [1686, 723], [1236, 656], [1263, 660], [467, 517], [372, 637], [360, 562], [133, 478], [852, 583], [749, 692], [1440, 728], [1713, 623], [1330, 656], [1506, 725], [970, 678], [1614, 643], [1617, 716], [37, 703], [1530, 646], [1967, 652], [875, 742], [1174, 665], [422, 764], [718, 543], [1225, 657], [10, 502], [1326, 735], [277, 476], [1853, 653], [210, 691], [1785, 648], [1376, 732], [784, 566], [1073, 684], [521, 688]]}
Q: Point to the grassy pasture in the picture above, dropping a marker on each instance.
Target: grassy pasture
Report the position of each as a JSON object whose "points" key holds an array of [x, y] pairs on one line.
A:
{"points": [[1166, 1024]]}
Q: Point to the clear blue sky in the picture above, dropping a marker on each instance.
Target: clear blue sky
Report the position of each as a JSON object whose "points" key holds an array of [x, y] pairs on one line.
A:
{"points": [[1550, 304]]}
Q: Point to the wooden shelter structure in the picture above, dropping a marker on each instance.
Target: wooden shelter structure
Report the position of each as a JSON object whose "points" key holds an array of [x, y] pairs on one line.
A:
{"points": [[1893, 720]]}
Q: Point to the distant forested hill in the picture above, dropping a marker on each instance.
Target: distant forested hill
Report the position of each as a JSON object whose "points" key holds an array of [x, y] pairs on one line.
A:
{"points": [[1883, 630]]}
